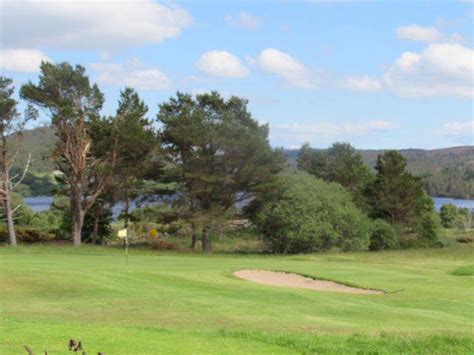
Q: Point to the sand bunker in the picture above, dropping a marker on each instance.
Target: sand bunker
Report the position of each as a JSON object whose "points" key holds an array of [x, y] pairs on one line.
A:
{"points": [[295, 280]]}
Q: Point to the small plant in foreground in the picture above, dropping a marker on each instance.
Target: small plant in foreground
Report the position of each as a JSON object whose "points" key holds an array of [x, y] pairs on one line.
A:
{"points": [[73, 345]]}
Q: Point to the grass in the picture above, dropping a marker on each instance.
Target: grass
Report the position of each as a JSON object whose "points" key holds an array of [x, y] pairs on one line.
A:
{"points": [[467, 270], [190, 303]]}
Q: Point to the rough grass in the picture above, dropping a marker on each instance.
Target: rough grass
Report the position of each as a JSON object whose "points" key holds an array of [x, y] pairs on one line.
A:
{"points": [[467, 270], [189, 303]]}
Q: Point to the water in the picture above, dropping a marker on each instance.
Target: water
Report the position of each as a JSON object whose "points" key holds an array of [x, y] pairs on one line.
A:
{"points": [[440, 201], [39, 203], [43, 203]]}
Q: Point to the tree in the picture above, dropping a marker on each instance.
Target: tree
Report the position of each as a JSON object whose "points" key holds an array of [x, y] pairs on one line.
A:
{"points": [[305, 214], [448, 214], [428, 228], [383, 236], [11, 123], [73, 103], [218, 153], [454, 217], [311, 160], [396, 195], [340, 163], [137, 142]]}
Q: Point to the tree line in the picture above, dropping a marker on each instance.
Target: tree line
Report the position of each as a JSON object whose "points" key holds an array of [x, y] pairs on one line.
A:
{"points": [[210, 155]]}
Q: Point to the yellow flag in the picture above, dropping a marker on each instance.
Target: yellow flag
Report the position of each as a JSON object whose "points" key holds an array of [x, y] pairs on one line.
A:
{"points": [[122, 233]]}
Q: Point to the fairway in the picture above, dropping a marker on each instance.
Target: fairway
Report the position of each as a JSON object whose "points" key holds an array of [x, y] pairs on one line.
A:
{"points": [[187, 303]]}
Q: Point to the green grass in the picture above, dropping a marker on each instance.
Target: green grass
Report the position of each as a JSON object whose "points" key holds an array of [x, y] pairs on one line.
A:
{"points": [[467, 270], [190, 303]]}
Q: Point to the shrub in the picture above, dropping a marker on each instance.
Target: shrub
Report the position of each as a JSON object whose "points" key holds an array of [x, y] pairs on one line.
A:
{"points": [[160, 244], [448, 214], [428, 227], [383, 236], [454, 217], [306, 214], [29, 235], [465, 240]]}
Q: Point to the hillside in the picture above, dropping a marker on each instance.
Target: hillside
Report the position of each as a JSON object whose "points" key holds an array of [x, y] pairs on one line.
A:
{"points": [[419, 161], [446, 172], [38, 142]]}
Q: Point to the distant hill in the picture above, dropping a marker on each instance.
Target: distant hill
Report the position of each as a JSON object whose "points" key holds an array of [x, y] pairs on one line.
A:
{"points": [[38, 142], [446, 172], [419, 161]]}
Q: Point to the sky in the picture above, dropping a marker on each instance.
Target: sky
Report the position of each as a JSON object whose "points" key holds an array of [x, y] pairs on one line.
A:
{"points": [[376, 74]]}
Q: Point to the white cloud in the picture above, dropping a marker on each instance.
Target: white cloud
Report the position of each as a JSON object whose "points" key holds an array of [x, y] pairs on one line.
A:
{"points": [[335, 130], [221, 64], [132, 73], [361, 83], [324, 132], [458, 128], [244, 20], [439, 70], [288, 68], [419, 33], [22, 60], [105, 24], [225, 94]]}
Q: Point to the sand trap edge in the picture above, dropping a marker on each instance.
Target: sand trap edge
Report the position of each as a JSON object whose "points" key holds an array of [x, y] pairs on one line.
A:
{"points": [[289, 279]]}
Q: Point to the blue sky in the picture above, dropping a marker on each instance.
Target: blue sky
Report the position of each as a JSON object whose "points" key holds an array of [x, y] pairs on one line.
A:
{"points": [[375, 74]]}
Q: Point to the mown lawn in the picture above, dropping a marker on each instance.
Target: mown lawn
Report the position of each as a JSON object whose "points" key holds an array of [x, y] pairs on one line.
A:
{"points": [[190, 303]]}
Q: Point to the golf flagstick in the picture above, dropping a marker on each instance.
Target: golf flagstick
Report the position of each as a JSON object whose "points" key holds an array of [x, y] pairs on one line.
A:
{"points": [[123, 234]]}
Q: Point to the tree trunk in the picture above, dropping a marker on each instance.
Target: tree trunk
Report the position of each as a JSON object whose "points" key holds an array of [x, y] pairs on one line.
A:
{"points": [[127, 204], [95, 230], [220, 231], [7, 196], [77, 218], [206, 240], [9, 216], [193, 241]]}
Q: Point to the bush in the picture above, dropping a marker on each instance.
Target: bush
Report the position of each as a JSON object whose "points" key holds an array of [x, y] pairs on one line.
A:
{"points": [[159, 244], [428, 227], [383, 236], [448, 214], [306, 214], [454, 217], [29, 235]]}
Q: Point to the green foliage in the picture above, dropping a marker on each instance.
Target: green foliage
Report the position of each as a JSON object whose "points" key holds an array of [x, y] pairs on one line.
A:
{"points": [[23, 214], [307, 214], [454, 217], [383, 236], [137, 154], [155, 214], [448, 214], [451, 181], [428, 226], [217, 153], [445, 172], [396, 195], [65, 91], [340, 163], [45, 220], [34, 184], [29, 235], [464, 218], [38, 143], [102, 216]]}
